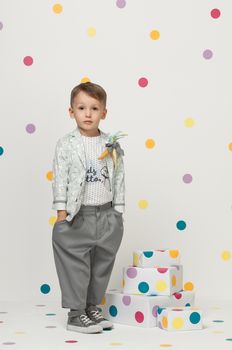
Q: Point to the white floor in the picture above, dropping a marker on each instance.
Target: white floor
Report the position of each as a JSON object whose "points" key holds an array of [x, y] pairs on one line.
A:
{"points": [[27, 326]]}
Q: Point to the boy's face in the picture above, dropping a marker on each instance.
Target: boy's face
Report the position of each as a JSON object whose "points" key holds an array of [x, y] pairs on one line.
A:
{"points": [[87, 111]]}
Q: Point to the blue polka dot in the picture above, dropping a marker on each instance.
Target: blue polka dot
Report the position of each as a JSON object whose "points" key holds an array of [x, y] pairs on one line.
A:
{"points": [[188, 304], [113, 311], [1, 150], [181, 225], [160, 309], [195, 317], [148, 254], [143, 287], [45, 289]]}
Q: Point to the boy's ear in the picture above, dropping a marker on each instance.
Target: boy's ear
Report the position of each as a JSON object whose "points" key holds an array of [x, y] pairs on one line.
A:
{"points": [[104, 114], [70, 112]]}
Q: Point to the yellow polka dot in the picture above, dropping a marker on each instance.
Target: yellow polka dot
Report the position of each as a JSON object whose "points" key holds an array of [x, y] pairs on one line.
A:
{"points": [[91, 31], [85, 80], [150, 143], [173, 280], [173, 253], [188, 286], [165, 345], [49, 175], [143, 203], [178, 323], [123, 283], [52, 220], [226, 255], [161, 286], [135, 259], [155, 34], [230, 146], [218, 332], [103, 302], [57, 8], [164, 322], [116, 343], [189, 122]]}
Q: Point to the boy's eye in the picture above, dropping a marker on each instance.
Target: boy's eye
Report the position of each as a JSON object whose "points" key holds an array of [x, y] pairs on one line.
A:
{"points": [[95, 108]]}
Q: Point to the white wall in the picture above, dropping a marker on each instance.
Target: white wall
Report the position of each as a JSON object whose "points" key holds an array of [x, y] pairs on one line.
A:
{"points": [[181, 84]]}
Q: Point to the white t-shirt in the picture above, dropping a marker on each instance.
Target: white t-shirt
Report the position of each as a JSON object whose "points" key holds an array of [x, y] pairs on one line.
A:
{"points": [[97, 189]]}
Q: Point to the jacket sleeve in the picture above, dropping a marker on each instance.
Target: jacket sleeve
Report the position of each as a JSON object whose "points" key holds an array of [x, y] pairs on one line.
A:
{"points": [[60, 170], [119, 186]]}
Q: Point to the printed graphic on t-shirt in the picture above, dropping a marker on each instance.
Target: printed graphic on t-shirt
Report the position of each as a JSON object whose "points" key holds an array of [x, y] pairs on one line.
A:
{"points": [[97, 174]]}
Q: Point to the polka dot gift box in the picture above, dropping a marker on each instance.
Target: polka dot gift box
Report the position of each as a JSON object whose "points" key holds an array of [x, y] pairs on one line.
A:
{"points": [[179, 319], [139, 310], [151, 258], [156, 280]]}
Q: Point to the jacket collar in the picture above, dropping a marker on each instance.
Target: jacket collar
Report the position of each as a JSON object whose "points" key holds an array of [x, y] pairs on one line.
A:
{"points": [[81, 151]]}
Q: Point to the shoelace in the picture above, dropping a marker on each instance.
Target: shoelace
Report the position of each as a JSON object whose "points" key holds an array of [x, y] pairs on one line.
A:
{"points": [[85, 319], [96, 314]]}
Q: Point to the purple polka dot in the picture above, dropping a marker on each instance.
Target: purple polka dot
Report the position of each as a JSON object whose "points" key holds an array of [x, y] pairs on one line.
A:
{"points": [[1, 25], [207, 54], [160, 325], [187, 178], [154, 310], [28, 60], [126, 300], [120, 3], [30, 128], [131, 272]]}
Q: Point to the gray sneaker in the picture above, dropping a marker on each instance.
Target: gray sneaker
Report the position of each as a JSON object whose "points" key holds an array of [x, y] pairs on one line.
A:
{"points": [[78, 321], [94, 313]]}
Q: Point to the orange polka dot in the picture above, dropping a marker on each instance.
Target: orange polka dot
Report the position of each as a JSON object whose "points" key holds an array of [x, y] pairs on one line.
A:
{"points": [[230, 146], [49, 175], [150, 143], [173, 280], [173, 253], [188, 286]]}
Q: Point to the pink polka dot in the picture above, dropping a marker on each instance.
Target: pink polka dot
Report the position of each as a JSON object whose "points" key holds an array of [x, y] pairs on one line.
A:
{"points": [[70, 341], [28, 60], [162, 269], [177, 295], [143, 82], [215, 13], [131, 272], [139, 316]]}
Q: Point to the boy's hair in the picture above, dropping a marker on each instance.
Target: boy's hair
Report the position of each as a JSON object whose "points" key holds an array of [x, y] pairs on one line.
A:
{"points": [[91, 89]]}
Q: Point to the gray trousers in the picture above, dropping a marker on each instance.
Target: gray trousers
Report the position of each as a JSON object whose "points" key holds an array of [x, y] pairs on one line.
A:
{"points": [[84, 252]]}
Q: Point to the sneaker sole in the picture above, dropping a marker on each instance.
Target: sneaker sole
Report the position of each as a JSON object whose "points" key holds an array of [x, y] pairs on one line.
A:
{"points": [[87, 330]]}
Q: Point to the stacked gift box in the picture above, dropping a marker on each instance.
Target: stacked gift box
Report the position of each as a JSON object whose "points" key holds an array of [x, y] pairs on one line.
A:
{"points": [[152, 294]]}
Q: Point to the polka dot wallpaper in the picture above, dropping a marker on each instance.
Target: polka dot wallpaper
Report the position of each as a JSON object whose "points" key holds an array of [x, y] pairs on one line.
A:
{"points": [[167, 70]]}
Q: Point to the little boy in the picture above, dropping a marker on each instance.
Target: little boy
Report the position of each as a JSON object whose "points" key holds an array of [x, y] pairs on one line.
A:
{"points": [[88, 195]]}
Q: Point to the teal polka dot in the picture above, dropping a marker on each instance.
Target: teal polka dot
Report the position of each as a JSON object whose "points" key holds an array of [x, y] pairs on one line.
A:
{"points": [[160, 309], [143, 287], [188, 304], [1, 150], [181, 225], [113, 311], [148, 254], [229, 339], [45, 289], [195, 317]]}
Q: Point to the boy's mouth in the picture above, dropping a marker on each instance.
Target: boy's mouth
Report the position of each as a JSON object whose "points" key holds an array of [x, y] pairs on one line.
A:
{"points": [[88, 122]]}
